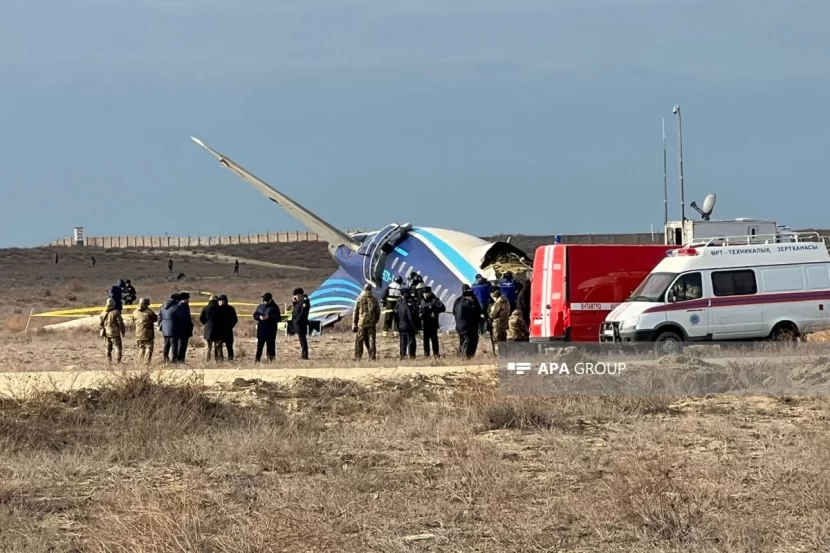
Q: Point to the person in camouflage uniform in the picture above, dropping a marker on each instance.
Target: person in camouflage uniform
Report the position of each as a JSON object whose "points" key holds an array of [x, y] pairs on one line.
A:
{"points": [[364, 322], [145, 320], [112, 328], [516, 328], [500, 315]]}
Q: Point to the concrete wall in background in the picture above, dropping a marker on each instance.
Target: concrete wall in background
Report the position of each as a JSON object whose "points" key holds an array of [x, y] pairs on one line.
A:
{"points": [[188, 241], [529, 243]]}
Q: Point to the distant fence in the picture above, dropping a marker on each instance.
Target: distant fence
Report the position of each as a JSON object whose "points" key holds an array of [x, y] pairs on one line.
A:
{"points": [[304, 236], [190, 241]]}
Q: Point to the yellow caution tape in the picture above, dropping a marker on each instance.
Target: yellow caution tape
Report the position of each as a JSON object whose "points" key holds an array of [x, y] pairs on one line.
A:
{"points": [[84, 311]]}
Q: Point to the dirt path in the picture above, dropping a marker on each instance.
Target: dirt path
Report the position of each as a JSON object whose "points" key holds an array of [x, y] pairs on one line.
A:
{"points": [[230, 259], [20, 383]]}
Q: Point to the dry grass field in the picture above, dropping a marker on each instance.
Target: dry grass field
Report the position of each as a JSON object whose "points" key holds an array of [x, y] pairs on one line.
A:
{"points": [[444, 463]]}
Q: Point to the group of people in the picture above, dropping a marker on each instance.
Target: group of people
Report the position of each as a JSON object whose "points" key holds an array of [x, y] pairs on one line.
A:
{"points": [[413, 309], [176, 325], [501, 308], [122, 293], [268, 317]]}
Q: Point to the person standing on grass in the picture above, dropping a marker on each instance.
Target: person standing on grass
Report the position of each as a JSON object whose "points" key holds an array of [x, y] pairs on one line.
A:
{"points": [[227, 322], [267, 316], [467, 319], [112, 329], [170, 329], [185, 321], [211, 320], [408, 324], [364, 323], [299, 319], [145, 321]]}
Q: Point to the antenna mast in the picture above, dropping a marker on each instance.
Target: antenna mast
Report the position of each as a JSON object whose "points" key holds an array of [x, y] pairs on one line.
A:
{"points": [[680, 161], [665, 180]]}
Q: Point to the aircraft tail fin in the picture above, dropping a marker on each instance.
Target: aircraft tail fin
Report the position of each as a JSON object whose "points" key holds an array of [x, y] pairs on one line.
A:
{"points": [[326, 231]]}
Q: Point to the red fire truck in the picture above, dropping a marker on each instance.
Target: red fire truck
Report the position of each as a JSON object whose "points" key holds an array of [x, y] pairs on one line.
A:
{"points": [[576, 285]]}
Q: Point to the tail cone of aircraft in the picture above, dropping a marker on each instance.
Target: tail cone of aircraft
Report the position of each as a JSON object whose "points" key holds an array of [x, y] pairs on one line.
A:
{"points": [[445, 259]]}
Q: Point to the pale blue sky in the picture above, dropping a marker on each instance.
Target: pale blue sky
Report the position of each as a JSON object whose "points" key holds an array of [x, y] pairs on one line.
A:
{"points": [[431, 112]]}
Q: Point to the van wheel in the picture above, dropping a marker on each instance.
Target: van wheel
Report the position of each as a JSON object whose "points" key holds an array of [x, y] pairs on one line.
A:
{"points": [[785, 332], [668, 343]]}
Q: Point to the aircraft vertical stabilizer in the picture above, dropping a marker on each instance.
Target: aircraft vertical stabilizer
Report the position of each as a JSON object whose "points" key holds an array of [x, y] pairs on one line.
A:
{"points": [[329, 233]]}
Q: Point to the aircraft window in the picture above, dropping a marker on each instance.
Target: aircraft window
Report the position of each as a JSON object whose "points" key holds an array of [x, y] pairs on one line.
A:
{"points": [[400, 269], [395, 262]]}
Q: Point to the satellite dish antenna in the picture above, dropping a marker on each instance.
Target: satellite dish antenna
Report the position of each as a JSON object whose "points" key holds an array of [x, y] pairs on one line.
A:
{"points": [[708, 207]]}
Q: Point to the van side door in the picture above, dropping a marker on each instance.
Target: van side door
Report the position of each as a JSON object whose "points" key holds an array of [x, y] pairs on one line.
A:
{"points": [[688, 308], [736, 308]]}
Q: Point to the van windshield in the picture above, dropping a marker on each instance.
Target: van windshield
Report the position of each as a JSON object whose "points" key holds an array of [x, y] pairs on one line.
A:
{"points": [[653, 287]]}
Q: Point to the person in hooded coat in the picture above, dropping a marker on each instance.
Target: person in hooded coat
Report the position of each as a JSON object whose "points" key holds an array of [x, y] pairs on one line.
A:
{"points": [[210, 318], [170, 329]]}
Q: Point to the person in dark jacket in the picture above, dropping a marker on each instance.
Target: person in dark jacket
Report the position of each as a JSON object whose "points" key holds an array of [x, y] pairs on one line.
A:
{"points": [[408, 323], [509, 288], [115, 295], [467, 316], [170, 329], [211, 320], [128, 294], [267, 315], [431, 307], [185, 322], [299, 319], [523, 301], [481, 290], [228, 320]]}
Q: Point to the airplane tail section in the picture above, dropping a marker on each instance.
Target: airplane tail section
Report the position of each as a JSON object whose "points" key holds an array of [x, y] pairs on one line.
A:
{"points": [[326, 231], [334, 298]]}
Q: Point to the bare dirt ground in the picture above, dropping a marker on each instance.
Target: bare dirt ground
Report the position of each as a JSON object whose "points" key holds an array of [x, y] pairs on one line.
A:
{"points": [[30, 279], [395, 462]]}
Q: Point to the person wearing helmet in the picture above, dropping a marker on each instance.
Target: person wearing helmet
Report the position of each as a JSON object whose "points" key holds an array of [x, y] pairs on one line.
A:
{"points": [[431, 307], [414, 280], [390, 305]]}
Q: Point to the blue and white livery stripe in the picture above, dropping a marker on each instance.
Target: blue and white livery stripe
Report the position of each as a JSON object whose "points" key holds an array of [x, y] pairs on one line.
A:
{"points": [[460, 266]]}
